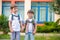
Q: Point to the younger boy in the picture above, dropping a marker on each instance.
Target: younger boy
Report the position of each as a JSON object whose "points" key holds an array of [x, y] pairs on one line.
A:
{"points": [[30, 25], [15, 22]]}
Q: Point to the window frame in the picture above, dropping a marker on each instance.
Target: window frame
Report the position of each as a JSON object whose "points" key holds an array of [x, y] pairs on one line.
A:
{"points": [[47, 6]]}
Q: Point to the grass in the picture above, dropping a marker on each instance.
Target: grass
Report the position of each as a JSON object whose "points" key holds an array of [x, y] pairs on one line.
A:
{"points": [[4, 36], [7, 37], [47, 38]]}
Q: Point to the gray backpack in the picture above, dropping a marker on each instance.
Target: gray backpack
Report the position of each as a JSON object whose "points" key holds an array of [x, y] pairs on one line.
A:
{"points": [[33, 22]]}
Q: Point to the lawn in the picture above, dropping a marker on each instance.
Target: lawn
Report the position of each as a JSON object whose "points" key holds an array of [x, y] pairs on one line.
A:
{"points": [[7, 37]]}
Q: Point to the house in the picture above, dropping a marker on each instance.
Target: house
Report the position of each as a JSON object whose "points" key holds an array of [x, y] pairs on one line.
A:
{"points": [[42, 9]]}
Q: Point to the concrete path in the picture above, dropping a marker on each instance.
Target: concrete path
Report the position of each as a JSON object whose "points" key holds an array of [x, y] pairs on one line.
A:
{"points": [[39, 34]]}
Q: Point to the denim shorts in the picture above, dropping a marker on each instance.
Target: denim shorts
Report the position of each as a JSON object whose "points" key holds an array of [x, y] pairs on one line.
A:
{"points": [[29, 36], [15, 35]]}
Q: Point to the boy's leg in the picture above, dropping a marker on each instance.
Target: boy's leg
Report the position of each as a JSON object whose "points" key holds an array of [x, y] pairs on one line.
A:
{"points": [[18, 35], [31, 36], [26, 36], [13, 36]]}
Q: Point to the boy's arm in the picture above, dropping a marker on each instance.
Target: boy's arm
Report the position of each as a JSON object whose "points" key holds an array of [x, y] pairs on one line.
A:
{"points": [[22, 26], [10, 23], [35, 29], [10, 26]]}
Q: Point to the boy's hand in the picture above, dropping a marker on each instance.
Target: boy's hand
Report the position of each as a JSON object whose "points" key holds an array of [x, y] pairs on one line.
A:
{"points": [[34, 32], [11, 30], [22, 29]]}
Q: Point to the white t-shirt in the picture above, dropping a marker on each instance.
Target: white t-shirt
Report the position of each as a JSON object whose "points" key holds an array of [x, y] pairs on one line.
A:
{"points": [[30, 25], [15, 22]]}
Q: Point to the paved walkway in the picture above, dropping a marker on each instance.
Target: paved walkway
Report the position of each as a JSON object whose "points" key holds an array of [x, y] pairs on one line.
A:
{"points": [[40, 34]]}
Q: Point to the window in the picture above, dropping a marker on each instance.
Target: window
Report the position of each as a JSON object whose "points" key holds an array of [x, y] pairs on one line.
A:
{"points": [[20, 6], [42, 11], [35, 9], [6, 8], [50, 14], [42, 14]]}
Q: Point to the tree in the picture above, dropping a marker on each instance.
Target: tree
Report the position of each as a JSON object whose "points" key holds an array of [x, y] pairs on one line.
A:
{"points": [[56, 6]]}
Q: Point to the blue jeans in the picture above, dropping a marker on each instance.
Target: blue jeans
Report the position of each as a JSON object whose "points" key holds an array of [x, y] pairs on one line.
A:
{"points": [[15, 35], [29, 36]]}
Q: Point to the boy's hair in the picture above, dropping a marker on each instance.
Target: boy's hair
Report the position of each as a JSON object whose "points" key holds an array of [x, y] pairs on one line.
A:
{"points": [[13, 7], [30, 11]]}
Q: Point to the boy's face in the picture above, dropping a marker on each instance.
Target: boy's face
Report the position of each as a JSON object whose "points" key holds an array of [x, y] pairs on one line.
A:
{"points": [[14, 9], [30, 15]]}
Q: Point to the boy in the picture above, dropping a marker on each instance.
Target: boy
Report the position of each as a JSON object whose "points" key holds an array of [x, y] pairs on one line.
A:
{"points": [[30, 25], [15, 22]]}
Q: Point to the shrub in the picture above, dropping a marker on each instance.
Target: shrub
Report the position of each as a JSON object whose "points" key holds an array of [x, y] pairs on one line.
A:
{"points": [[49, 27], [4, 24]]}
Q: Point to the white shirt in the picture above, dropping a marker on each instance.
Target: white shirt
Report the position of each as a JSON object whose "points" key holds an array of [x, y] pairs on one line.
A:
{"points": [[30, 26], [15, 22]]}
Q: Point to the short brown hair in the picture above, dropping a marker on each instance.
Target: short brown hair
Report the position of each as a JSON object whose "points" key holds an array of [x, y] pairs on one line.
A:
{"points": [[30, 11], [13, 7]]}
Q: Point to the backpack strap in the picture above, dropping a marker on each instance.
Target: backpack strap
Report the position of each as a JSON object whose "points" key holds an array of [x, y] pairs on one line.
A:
{"points": [[33, 22], [19, 17], [12, 17], [26, 23]]}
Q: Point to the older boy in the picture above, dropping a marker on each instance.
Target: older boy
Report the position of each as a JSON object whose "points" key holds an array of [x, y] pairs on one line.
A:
{"points": [[15, 22]]}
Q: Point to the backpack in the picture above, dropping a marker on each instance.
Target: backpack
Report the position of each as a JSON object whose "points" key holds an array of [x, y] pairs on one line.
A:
{"points": [[15, 16], [33, 22]]}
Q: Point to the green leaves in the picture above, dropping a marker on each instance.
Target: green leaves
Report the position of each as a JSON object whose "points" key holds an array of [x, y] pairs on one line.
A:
{"points": [[4, 24], [49, 27], [56, 6]]}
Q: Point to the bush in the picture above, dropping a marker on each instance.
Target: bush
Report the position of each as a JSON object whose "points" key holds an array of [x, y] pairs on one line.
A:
{"points": [[4, 24], [49, 27]]}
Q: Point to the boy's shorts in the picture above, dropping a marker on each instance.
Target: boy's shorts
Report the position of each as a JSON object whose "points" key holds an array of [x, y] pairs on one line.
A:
{"points": [[29, 36], [15, 35]]}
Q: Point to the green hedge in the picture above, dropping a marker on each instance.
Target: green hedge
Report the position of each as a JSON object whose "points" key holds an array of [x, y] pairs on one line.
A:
{"points": [[4, 24], [49, 27]]}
